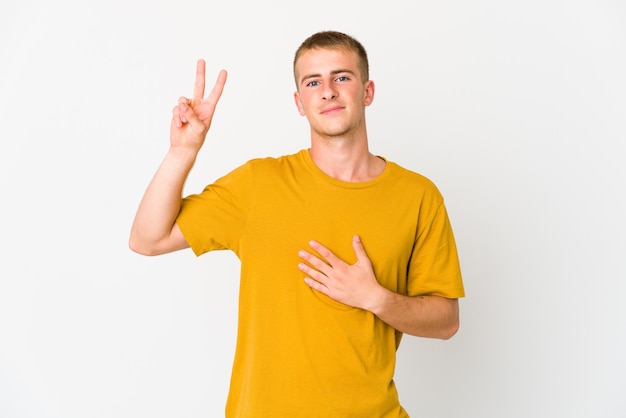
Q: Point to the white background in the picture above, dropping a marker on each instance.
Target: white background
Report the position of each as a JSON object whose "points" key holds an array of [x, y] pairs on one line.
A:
{"points": [[516, 110]]}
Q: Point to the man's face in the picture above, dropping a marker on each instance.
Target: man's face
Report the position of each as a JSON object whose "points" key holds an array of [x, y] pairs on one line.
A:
{"points": [[331, 93]]}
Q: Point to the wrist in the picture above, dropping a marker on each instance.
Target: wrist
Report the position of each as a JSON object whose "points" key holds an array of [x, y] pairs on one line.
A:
{"points": [[378, 299], [183, 155]]}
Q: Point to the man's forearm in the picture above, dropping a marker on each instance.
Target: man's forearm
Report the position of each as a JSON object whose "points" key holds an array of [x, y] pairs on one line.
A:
{"points": [[422, 316], [161, 202]]}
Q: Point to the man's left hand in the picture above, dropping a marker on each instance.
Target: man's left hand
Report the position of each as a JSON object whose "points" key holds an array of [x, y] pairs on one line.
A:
{"points": [[352, 284]]}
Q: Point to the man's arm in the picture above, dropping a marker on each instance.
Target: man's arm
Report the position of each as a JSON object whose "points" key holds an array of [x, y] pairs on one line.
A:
{"points": [[154, 230], [356, 285], [422, 316]]}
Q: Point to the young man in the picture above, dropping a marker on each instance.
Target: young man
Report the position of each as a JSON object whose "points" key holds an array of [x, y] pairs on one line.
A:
{"points": [[341, 251]]}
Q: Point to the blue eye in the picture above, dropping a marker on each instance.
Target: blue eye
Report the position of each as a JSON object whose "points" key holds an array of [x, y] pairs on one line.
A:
{"points": [[342, 78], [313, 84]]}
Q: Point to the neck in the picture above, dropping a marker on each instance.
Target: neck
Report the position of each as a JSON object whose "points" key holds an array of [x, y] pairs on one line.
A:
{"points": [[347, 160]]}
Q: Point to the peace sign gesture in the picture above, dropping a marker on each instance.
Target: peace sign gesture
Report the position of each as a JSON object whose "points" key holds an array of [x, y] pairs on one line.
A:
{"points": [[191, 118]]}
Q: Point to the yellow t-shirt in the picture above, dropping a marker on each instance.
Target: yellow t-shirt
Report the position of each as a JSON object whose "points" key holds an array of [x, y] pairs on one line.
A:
{"points": [[300, 353]]}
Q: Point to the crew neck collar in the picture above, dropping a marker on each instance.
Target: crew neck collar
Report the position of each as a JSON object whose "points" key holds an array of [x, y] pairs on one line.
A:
{"points": [[306, 155]]}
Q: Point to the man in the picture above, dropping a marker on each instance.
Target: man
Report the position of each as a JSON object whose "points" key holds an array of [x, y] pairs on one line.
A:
{"points": [[341, 251]]}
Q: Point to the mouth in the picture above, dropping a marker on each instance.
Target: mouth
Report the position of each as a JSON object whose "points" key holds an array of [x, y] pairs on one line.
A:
{"points": [[331, 110]]}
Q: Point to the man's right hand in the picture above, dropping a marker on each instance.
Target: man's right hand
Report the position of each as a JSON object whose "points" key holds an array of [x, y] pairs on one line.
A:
{"points": [[154, 229], [191, 118]]}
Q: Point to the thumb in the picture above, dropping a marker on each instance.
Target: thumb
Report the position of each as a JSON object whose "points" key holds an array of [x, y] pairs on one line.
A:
{"points": [[359, 250]]}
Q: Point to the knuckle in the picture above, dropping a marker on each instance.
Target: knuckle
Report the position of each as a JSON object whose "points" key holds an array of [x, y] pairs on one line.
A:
{"points": [[325, 252]]}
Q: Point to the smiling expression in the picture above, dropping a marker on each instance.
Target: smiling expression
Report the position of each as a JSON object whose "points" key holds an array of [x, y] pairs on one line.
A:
{"points": [[331, 93]]}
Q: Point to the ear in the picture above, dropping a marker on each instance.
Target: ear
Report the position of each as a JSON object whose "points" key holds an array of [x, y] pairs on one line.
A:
{"points": [[369, 93], [299, 105]]}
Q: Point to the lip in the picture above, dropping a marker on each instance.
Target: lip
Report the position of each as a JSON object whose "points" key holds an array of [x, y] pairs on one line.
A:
{"points": [[331, 110]]}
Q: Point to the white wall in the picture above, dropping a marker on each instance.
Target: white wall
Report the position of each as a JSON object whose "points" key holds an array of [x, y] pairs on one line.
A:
{"points": [[517, 110]]}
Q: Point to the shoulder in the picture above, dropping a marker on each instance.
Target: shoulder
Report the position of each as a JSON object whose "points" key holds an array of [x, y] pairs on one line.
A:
{"points": [[270, 163], [412, 180]]}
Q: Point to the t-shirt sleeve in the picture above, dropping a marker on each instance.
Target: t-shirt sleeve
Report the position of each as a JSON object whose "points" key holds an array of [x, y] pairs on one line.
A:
{"points": [[215, 218], [434, 268]]}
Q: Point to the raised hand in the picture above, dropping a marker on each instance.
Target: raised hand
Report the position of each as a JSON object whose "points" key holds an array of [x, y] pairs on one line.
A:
{"points": [[191, 118]]}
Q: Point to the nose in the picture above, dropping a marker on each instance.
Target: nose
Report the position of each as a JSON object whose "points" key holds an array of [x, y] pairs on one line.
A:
{"points": [[330, 92]]}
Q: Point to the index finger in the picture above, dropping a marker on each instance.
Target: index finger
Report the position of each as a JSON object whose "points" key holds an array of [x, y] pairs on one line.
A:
{"points": [[198, 88], [328, 255]]}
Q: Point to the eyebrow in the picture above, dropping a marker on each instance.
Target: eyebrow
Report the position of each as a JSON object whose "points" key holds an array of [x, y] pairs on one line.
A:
{"points": [[334, 72]]}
